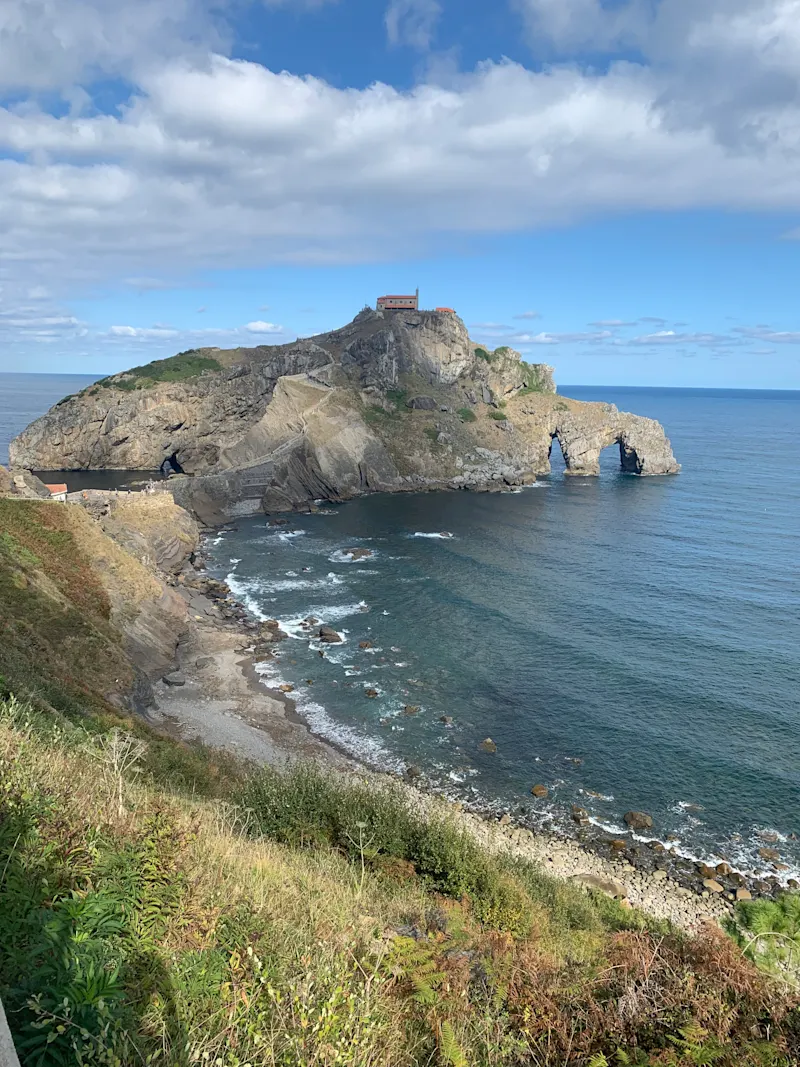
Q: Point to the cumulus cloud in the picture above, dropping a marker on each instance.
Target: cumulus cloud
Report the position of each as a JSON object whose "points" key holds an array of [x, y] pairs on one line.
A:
{"points": [[54, 44], [731, 65], [412, 22], [264, 327], [217, 161]]}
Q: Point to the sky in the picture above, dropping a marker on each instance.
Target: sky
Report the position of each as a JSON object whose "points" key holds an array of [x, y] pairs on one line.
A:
{"points": [[608, 186]]}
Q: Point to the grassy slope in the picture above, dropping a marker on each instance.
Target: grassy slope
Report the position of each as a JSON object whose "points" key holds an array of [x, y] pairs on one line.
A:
{"points": [[248, 917], [162, 903]]}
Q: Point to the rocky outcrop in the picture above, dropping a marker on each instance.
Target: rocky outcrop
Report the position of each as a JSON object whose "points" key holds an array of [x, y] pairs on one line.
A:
{"points": [[23, 484], [151, 526], [394, 401]]}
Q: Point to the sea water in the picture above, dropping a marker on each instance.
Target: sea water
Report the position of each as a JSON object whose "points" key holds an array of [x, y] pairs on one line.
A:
{"points": [[628, 643]]}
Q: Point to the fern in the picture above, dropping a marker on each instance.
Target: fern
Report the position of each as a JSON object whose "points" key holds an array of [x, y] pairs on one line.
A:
{"points": [[414, 963], [449, 1049]]}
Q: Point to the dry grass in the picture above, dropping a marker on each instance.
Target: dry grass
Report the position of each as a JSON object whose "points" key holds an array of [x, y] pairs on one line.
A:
{"points": [[234, 949]]}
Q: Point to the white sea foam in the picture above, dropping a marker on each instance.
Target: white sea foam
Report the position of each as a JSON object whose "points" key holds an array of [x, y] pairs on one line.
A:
{"points": [[341, 556], [444, 536], [244, 591]]}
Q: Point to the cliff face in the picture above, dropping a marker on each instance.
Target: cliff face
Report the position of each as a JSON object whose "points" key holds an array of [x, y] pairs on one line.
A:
{"points": [[392, 401], [81, 619]]}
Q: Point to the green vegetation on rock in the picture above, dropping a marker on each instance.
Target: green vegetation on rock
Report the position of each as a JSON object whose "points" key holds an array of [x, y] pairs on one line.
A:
{"points": [[185, 365], [498, 416], [534, 381], [487, 357], [467, 415]]}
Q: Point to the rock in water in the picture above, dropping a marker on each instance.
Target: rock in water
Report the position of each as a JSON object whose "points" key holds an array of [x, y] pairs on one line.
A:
{"points": [[580, 815], [540, 791], [488, 745], [329, 636], [638, 820]]}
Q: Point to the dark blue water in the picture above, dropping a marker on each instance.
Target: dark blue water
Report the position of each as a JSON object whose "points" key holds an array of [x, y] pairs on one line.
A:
{"points": [[648, 628]]}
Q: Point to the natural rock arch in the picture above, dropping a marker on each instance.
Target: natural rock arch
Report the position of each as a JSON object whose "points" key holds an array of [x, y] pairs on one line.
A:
{"points": [[644, 448]]}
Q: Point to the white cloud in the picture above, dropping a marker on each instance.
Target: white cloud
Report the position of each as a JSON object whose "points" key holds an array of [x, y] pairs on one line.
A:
{"points": [[764, 333], [672, 337], [528, 315], [264, 327], [412, 22], [148, 333], [729, 65], [54, 44], [560, 338], [213, 161]]}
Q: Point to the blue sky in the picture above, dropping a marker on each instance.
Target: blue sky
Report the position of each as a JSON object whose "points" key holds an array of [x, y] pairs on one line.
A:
{"points": [[610, 187]]}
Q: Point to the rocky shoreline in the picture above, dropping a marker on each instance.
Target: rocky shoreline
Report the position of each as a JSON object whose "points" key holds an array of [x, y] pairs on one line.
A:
{"points": [[219, 696]]}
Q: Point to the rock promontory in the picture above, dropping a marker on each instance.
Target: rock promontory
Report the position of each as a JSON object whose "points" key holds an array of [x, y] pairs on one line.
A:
{"points": [[395, 400]]}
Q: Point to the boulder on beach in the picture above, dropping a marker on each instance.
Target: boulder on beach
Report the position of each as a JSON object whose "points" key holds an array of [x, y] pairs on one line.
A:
{"points": [[770, 854], [713, 886], [286, 688], [610, 886], [540, 791], [329, 636], [176, 678], [638, 820], [488, 745], [204, 661]]}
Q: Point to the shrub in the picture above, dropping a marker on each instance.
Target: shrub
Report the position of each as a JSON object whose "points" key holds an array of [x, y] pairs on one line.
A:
{"points": [[487, 357], [307, 808], [466, 415], [768, 931], [498, 416], [185, 365]]}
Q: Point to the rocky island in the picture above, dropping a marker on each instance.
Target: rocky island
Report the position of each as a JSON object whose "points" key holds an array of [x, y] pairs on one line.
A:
{"points": [[394, 401]]}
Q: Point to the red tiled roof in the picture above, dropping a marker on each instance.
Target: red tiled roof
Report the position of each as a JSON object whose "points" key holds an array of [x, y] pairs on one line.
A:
{"points": [[59, 487]]}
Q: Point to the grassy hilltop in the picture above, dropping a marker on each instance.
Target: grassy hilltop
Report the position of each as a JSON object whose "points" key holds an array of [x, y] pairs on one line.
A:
{"points": [[162, 903]]}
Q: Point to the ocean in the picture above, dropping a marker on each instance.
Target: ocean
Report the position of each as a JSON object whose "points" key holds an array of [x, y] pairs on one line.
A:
{"points": [[24, 397], [627, 643]]}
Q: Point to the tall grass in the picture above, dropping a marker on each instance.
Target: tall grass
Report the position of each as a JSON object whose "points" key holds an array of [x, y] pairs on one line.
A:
{"points": [[233, 916]]}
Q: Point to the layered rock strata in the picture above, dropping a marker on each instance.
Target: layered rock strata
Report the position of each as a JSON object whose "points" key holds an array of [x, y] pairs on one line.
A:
{"points": [[392, 401]]}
